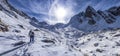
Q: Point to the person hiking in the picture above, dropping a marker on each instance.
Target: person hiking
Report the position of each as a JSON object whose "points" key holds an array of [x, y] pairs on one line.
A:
{"points": [[31, 35]]}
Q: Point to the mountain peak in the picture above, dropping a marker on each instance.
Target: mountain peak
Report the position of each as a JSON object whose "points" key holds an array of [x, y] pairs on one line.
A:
{"points": [[34, 19], [90, 11], [90, 8]]}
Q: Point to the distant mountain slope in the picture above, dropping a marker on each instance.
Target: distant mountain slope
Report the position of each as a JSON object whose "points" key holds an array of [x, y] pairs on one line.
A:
{"points": [[92, 20]]}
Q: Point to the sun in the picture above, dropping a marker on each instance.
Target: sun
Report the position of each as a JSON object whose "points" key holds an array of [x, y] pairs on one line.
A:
{"points": [[60, 13]]}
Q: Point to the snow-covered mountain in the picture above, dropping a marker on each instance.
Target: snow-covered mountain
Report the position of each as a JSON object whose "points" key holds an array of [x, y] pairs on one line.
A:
{"points": [[72, 39], [92, 20]]}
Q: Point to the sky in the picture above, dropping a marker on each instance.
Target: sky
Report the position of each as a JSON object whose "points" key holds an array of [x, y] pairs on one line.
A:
{"points": [[45, 10]]}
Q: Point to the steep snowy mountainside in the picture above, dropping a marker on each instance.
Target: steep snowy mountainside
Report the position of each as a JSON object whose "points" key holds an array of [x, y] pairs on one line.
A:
{"points": [[92, 20], [5, 5], [11, 16], [20, 16], [14, 26]]}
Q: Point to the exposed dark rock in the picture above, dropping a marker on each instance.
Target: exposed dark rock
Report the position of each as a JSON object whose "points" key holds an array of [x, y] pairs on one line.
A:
{"points": [[96, 44], [99, 50], [113, 46], [36, 30], [101, 36], [18, 43], [80, 20], [3, 27], [1, 7], [91, 22], [108, 17], [89, 39], [117, 35], [85, 55], [94, 55], [21, 26], [90, 12], [17, 31], [48, 41], [106, 37], [34, 19], [115, 11], [117, 43]]}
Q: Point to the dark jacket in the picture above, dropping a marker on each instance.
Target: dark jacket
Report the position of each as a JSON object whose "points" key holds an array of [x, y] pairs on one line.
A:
{"points": [[31, 34]]}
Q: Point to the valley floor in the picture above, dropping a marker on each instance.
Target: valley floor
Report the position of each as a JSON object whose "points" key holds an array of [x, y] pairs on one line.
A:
{"points": [[50, 44]]}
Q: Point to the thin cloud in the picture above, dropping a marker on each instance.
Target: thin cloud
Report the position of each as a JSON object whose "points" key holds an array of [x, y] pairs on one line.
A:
{"points": [[41, 8]]}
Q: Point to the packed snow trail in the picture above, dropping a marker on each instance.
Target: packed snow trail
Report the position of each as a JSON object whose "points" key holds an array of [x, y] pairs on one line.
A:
{"points": [[6, 52]]}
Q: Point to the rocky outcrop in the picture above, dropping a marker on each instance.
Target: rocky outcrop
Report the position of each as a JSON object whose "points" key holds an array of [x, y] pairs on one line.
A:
{"points": [[90, 12], [108, 17], [3, 27], [115, 11]]}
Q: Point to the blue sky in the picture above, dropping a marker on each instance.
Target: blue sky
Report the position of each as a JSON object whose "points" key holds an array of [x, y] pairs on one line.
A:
{"points": [[40, 8]]}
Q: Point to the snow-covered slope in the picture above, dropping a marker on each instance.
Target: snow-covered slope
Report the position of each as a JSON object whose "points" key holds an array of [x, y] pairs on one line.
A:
{"points": [[92, 20], [14, 26], [72, 39]]}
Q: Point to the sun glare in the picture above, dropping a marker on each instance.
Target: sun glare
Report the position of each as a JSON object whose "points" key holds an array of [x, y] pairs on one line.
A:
{"points": [[60, 13]]}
